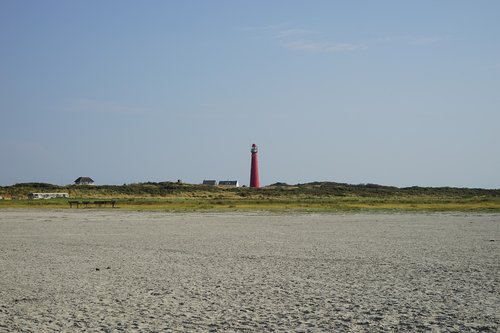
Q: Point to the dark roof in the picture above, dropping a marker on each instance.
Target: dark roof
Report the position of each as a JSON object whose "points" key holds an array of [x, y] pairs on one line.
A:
{"points": [[209, 182], [84, 180], [228, 182]]}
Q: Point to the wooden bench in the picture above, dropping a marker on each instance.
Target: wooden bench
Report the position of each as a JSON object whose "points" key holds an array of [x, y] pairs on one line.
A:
{"points": [[71, 203], [97, 203], [105, 202]]}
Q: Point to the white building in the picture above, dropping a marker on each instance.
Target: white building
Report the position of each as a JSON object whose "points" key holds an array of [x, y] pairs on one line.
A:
{"points": [[47, 195]]}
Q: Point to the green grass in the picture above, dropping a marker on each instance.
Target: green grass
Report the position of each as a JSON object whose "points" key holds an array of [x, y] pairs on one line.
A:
{"points": [[319, 204], [318, 196]]}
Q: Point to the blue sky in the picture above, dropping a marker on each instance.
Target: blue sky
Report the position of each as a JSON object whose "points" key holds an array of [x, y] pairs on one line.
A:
{"points": [[390, 92]]}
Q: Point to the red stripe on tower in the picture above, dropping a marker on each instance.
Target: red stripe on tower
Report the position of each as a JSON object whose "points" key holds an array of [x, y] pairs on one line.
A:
{"points": [[254, 171]]}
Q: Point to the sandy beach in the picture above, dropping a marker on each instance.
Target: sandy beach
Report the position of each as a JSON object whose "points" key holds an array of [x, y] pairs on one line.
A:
{"points": [[92, 270]]}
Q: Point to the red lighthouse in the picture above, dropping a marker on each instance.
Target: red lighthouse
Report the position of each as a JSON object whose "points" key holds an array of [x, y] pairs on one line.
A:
{"points": [[254, 171]]}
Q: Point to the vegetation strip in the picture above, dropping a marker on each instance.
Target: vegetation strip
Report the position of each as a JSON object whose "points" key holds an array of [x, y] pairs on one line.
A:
{"points": [[324, 196]]}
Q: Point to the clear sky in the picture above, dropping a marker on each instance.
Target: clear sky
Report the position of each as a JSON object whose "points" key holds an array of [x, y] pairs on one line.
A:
{"points": [[396, 93]]}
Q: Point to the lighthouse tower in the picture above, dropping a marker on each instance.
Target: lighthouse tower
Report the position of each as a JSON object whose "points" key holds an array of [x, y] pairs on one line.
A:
{"points": [[254, 171]]}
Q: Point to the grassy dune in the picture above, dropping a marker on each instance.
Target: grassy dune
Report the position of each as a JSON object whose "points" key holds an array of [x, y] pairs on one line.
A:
{"points": [[278, 197]]}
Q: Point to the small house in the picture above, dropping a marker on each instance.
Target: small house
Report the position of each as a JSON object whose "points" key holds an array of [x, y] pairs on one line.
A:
{"points": [[84, 181], [232, 183], [210, 182]]}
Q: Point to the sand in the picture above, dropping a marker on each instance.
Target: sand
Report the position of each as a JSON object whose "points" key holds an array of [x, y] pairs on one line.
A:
{"points": [[109, 270]]}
